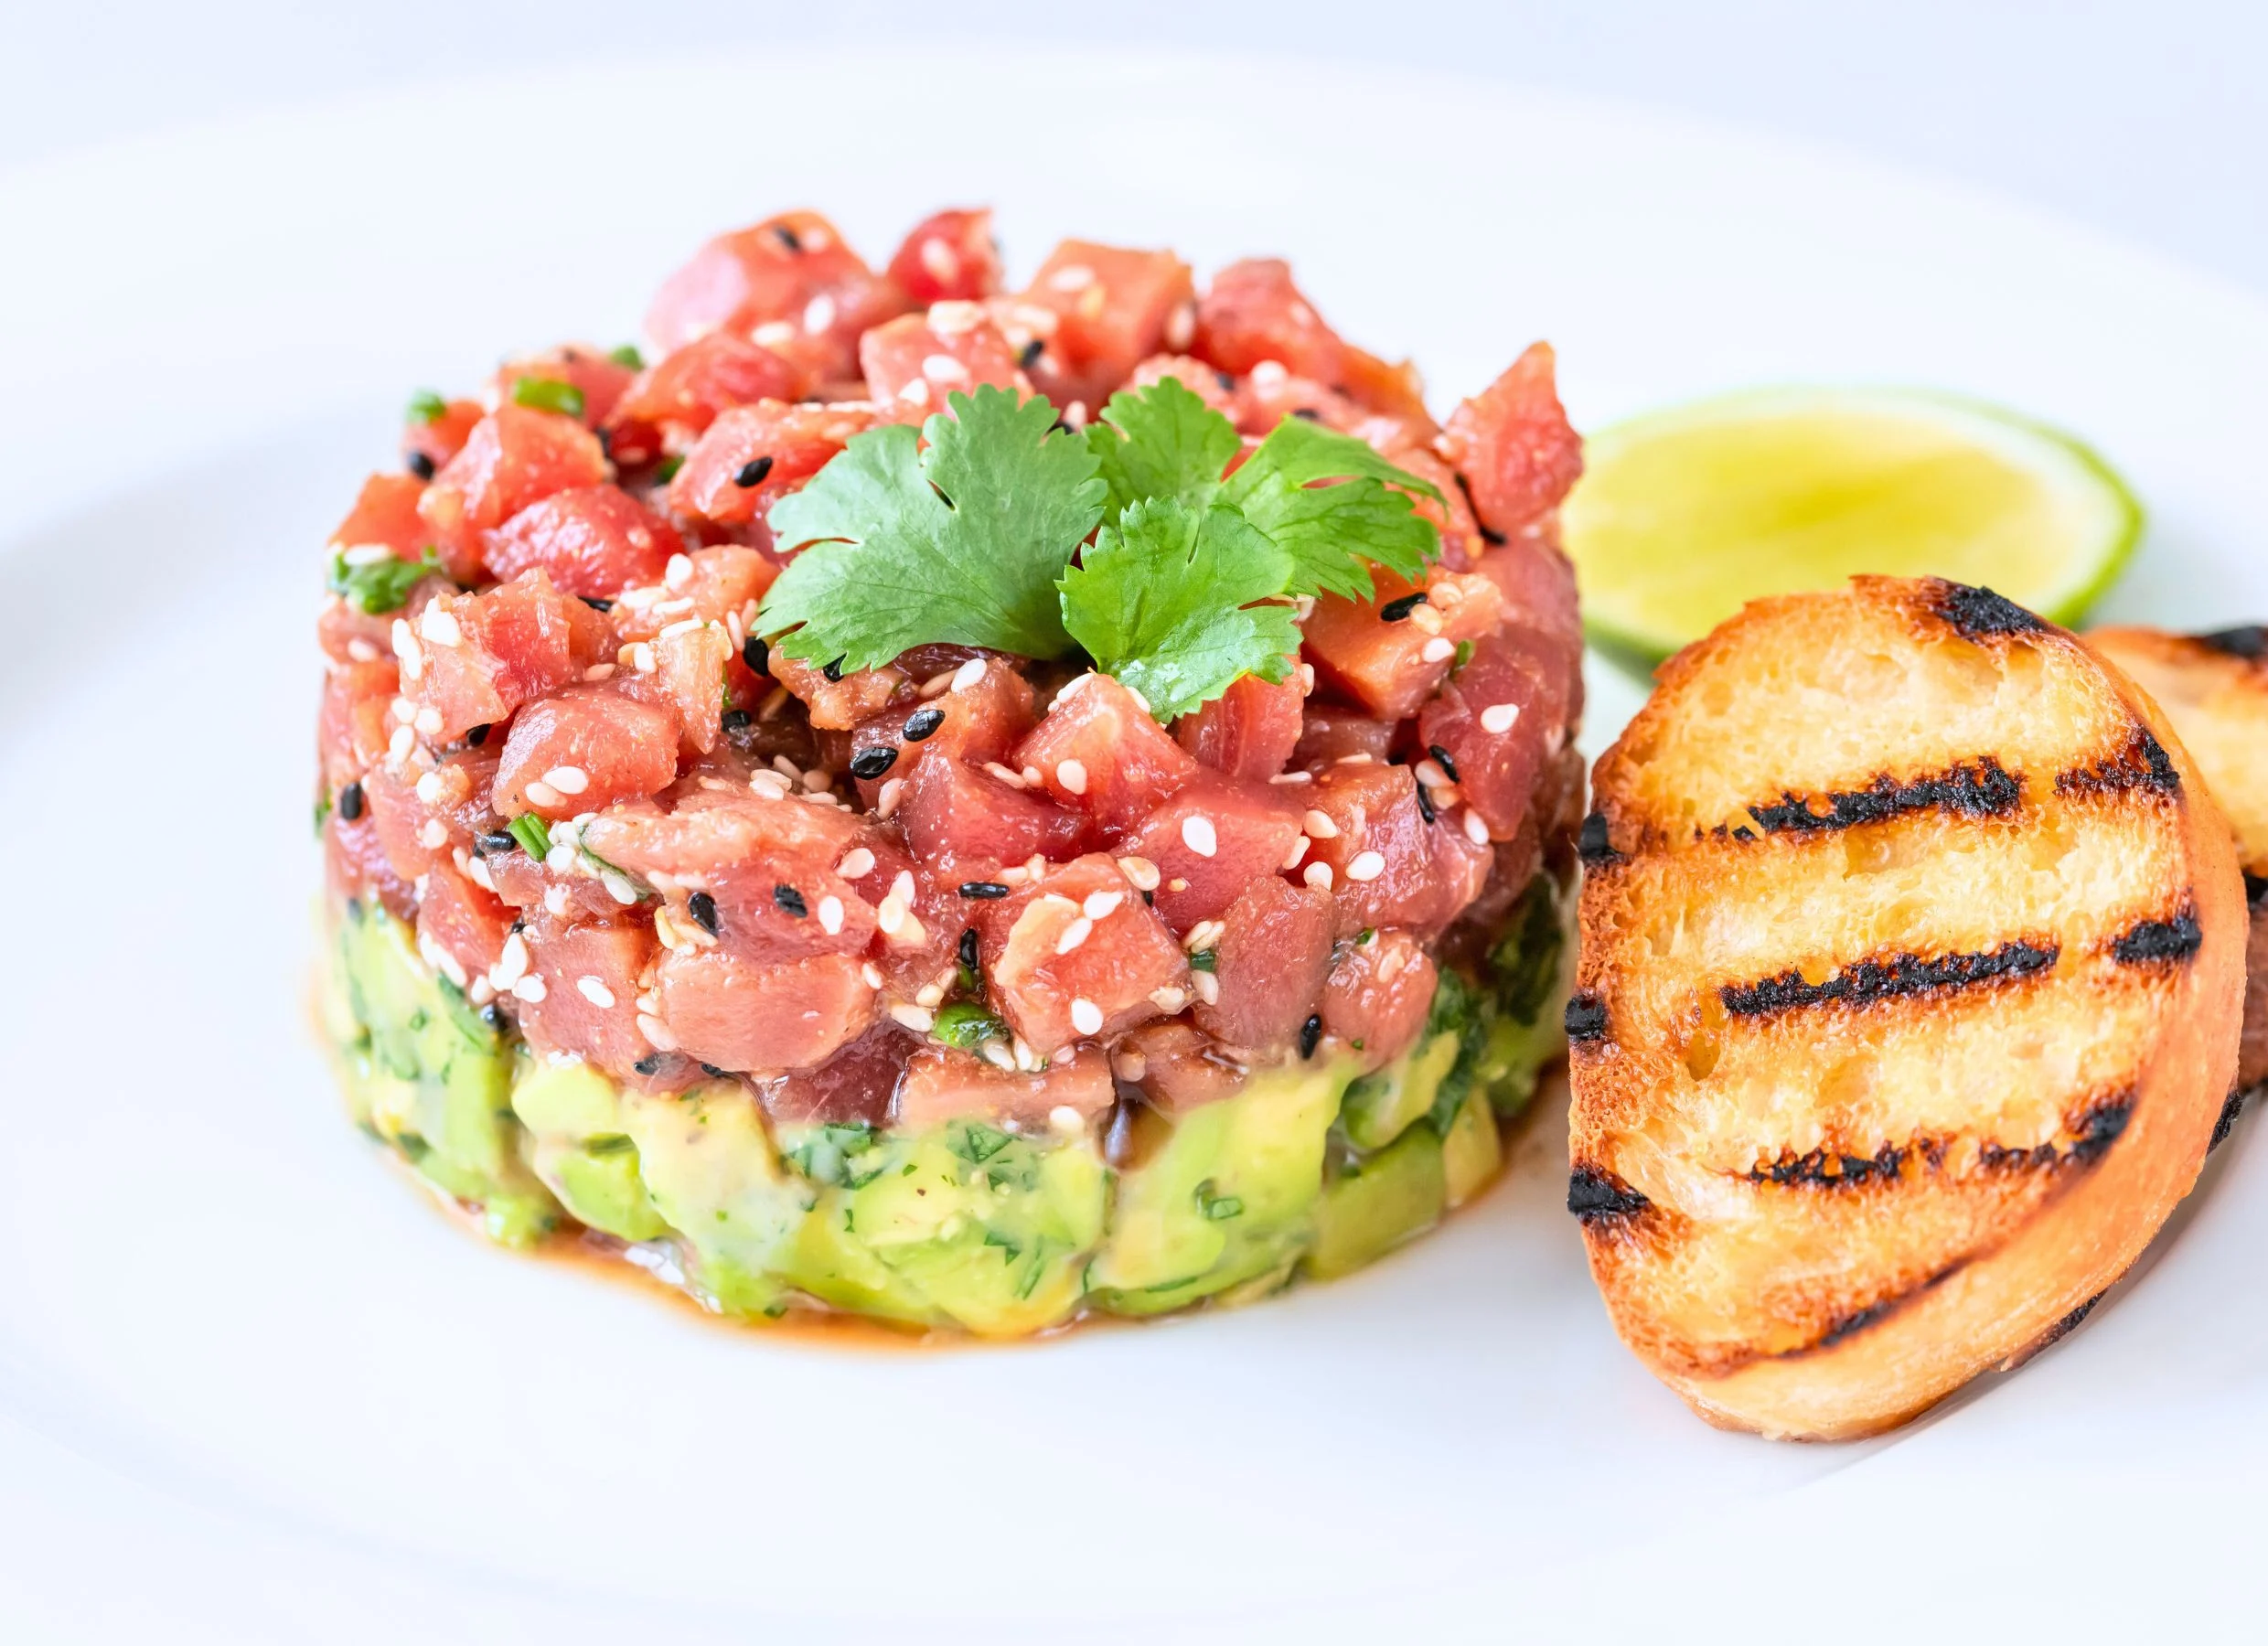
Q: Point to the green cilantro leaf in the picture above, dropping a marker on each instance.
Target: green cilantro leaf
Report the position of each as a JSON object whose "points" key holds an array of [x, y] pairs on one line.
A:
{"points": [[1331, 529], [1165, 602], [547, 394], [1162, 442], [967, 1025], [426, 407], [627, 355], [381, 585], [961, 542]]}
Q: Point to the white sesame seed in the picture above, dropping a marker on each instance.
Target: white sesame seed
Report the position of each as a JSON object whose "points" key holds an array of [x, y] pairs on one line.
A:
{"points": [[1362, 757], [429, 788], [657, 1032], [1268, 376], [819, 315], [1317, 875], [768, 785], [555, 900], [672, 608], [818, 780], [1366, 866], [1318, 823], [1102, 905], [886, 802], [1129, 1065], [361, 651], [1177, 884], [953, 315], [1087, 1016], [969, 674], [1430, 772], [936, 685], [1074, 415], [1030, 776], [1074, 934], [1071, 775], [678, 573], [929, 994], [772, 334], [786, 767], [857, 864], [919, 1018], [1298, 851], [915, 393], [435, 835], [406, 648], [1072, 687], [1497, 718], [1013, 779], [1475, 830], [642, 657], [567, 779], [1198, 835], [902, 886], [1307, 678], [439, 628], [1140, 872], [830, 913], [561, 858], [366, 554], [1066, 1120], [1203, 935], [428, 721], [596, 991], [890, 914], [1437, 650], [1071, 277], [944, 368], [683, 626], [1026, 1058], [599, 671], [1293, 777], [872, 973], [1168, 999], [1426, 621], [1207, 986], [1181, 326], [540, 793], [531, 989], [618, 888]]}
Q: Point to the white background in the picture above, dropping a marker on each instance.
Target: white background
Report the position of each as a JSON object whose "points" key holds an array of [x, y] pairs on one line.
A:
{"points": [[2144, 118]]}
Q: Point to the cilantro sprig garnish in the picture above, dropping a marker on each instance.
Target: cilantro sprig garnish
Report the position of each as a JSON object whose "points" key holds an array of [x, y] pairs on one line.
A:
{"points": [[960, 543], [975, 531], [379, 586]]}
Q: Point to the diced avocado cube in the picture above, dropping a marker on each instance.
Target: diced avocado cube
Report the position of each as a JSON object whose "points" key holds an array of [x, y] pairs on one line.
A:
{"points": [[710, 1168], [1380, 1107], [1472, 1150], [1371, 1209]]}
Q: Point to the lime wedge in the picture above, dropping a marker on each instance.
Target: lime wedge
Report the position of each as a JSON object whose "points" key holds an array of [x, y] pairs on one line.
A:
{"points": [[1685, 515]]}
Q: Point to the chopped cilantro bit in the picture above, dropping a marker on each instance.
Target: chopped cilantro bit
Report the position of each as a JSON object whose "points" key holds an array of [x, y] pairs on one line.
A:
{"points": [[1217, 1206], [967, 1025], [667, 469], [1464, 656], [1204, 960], [381, 586], [1179, 601], [426, 407], [533, 834], [961, 542], [610, 1143], [322, 810], [975, 1142], [627, 355], [547, 394]]}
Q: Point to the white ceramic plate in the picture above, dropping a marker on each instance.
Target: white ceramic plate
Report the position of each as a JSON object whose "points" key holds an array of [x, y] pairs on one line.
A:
{"points": [[252, 1389]]}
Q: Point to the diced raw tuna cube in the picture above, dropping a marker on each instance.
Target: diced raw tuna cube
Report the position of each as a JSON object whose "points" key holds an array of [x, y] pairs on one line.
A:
{"points": [[1378, 996], [1079, 957], [944, 1083], [1513, 445], [1389, 653], [1269, 965], [677, 397], [594, 540], [914, 361], [736, 1014], [1249, 731], [950, 255], [514, 457], [582, 751], [954, 814], [1212, 838], [1098, 750], [589, 972], [1113, 308]]}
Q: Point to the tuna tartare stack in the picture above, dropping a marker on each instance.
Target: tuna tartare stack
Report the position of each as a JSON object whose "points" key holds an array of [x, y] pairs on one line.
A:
{"points": [[959, 807]]}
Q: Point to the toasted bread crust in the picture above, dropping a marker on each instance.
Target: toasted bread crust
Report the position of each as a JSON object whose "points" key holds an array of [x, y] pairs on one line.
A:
{"points": [[2214, 688], [1908, 1003]]}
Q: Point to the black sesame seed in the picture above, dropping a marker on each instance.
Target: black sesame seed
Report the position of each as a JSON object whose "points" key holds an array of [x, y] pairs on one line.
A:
{"points": [[519, 924], [493, 1015], [703, 908], [833, 671], [476, 736], [787, 237], [751, 472], [1031, 354], [737, 719], [1311, 1034], [983, 889], [596, 605], [350, 802], [606, 444], [1496, 538], [649, 1064], [1442, 758], [1228, 381], [715, 1073], [488, 845], [791, 900], [968, 947], [755, 654], [420, 465], [1425, 803], [1307, 414], [870, 764], [922, 722], [1395, 611], [1149, 900], [1060, 427]]}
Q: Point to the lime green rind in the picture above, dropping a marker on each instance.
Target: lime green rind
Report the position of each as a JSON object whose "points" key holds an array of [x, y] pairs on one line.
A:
{"points": [[1639, 649], [962, 1226]]}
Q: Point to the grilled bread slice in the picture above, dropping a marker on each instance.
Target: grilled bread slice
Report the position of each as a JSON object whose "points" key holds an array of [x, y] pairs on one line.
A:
{"points": [[2214, 688], [1911, 970]]}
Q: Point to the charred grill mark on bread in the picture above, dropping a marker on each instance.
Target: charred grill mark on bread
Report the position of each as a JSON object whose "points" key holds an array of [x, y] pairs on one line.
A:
{"points": [[2247, 642], [1596, 1196], [2231, 1108], [1592, 844], [1978, 614], [1886, 1046], [1868, 981], [2143, 763], [1976, 789]]}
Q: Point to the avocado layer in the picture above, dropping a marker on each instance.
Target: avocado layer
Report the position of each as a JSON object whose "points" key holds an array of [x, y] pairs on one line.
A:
{"points": [[961, 1225]]}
